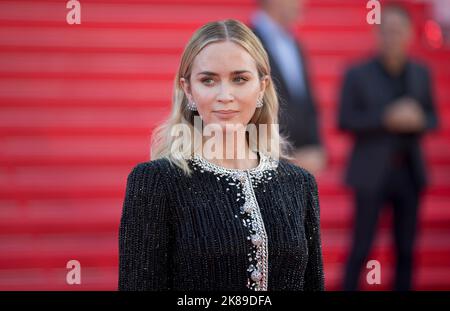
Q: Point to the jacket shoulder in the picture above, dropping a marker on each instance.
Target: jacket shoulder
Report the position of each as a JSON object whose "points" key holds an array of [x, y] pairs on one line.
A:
{"points": [[300, 172], [158, 164], [360, 68], [159, 168]]}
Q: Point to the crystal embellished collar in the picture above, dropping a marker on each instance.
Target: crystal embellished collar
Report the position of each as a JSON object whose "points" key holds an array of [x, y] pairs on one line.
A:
{"points": [[265, 163]]}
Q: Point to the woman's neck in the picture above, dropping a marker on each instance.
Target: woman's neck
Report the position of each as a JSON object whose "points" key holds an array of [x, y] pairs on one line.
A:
{"points": [[234, 156], [250, 161]]}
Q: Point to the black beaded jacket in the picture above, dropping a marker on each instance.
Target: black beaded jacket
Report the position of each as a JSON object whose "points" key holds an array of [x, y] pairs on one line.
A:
{"points": [[220, 229]]}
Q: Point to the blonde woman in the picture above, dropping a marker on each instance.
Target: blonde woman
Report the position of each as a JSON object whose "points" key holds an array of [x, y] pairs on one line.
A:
{"points": [[237, 216]]}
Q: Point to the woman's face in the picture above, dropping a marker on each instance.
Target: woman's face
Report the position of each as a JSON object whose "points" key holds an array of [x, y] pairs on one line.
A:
{"points": [[224, 84]]}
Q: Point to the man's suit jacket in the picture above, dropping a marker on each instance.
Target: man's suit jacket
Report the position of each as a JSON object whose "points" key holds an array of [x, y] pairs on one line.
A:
{"points": [[297, 115], [365, 95]]}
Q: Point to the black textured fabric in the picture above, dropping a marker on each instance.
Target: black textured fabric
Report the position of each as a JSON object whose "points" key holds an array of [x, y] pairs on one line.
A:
{"points": [[185, 233]]}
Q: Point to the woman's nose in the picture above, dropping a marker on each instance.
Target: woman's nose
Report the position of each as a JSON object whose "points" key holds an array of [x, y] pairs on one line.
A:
{"points": [[225, 93]]}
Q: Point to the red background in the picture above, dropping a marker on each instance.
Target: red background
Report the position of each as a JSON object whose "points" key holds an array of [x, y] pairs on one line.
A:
{"points": [[78, 104]]}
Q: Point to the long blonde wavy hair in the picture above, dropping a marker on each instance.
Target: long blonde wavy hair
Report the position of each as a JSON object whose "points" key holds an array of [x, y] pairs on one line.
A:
{"points": [[165, 145]]}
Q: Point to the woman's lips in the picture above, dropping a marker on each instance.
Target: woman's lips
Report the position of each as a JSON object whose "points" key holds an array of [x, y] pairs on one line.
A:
{"points": [[226, 113]]}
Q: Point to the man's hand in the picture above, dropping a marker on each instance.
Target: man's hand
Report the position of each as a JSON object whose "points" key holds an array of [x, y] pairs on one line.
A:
{"points": [[404, 116]]}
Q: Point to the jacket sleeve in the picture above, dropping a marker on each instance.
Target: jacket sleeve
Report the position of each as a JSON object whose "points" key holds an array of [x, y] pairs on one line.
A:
{"points": [[355, 115], [314, 120], [314, 276], [428, 104], [144, 232]]}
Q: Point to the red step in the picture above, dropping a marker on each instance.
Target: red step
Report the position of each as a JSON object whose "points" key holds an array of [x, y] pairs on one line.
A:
{"points": [[78, 105]]}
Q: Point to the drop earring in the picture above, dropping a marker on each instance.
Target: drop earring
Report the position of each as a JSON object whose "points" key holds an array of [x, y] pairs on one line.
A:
{"points": [[191, 106], [259, 103]]}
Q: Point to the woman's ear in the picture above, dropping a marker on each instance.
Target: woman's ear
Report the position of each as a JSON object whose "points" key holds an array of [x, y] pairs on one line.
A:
{"points": [[186, 88]]}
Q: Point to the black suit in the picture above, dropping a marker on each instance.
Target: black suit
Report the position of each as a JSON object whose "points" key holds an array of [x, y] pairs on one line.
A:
{"points": [[297, 115], [384, 167], [365, 94]]}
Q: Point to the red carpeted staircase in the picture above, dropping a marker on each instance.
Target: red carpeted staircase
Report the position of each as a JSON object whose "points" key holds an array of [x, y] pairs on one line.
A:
{"points": [[78, 104]]}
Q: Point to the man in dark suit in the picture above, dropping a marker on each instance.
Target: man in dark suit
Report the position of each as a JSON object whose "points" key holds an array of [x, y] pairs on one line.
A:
{"points": [[297, 117], [387, 104]]}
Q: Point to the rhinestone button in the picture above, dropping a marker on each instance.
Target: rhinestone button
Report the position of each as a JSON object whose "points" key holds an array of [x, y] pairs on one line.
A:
{"points": [[247, 208], [256, 276], [242, 178], [256, 240]]}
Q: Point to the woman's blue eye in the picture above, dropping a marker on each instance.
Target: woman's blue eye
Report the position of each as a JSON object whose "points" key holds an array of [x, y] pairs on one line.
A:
{"points": [[240, 79], [207, 81]]}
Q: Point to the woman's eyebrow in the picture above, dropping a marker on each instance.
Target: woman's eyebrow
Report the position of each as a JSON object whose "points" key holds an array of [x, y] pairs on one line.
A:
{"points": [[236, 72], [207, 73]]}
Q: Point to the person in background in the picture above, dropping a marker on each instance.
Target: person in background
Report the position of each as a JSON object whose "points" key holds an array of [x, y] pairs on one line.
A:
{"points": [[387, 104], [273, 24]]}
